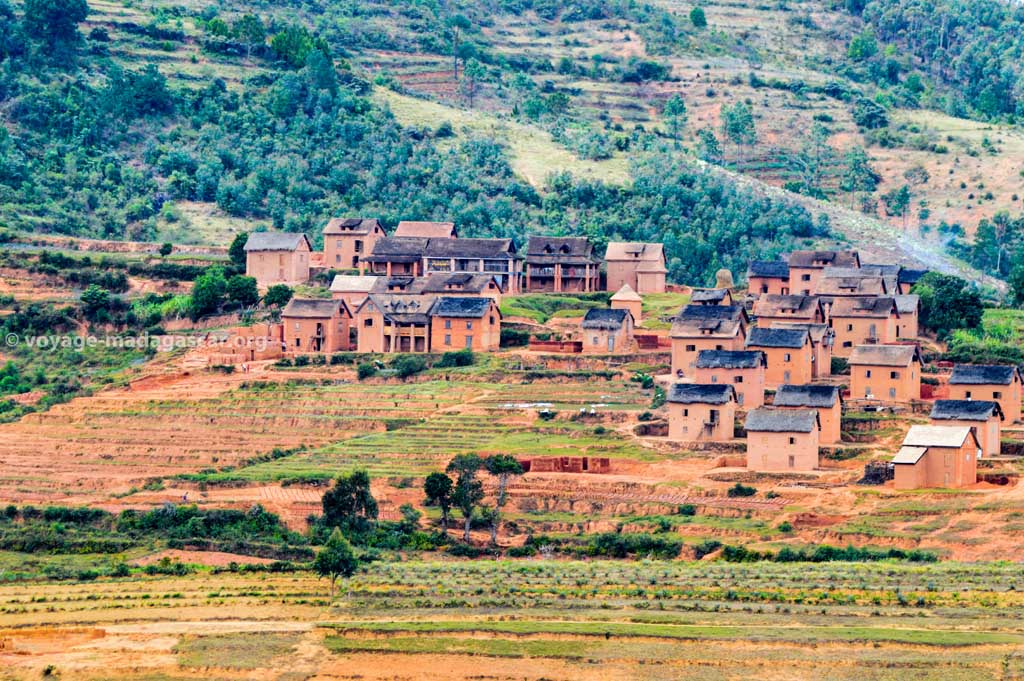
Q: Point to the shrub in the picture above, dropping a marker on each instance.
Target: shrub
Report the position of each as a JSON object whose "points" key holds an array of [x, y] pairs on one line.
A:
{"points": [[785, 526], [408, 365], [458, 358], [741, 490], [687, 510], [366, 370], [514, 337]]}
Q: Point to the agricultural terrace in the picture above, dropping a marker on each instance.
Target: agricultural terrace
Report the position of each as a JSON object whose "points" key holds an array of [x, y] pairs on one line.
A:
{"points": [[528, 620]]}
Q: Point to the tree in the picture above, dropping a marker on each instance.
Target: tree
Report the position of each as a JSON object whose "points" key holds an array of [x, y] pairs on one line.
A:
{"points": [[857, 173], [236, 251], [1016, 281], [469, 491], [277, 295], [207, 293], [55, 22], [948, 303], [350, 504], [492, 516], [675, 116], [709, 149], [503, 467], [738, 124], [863, 46], [473, 73], [457, 25], [816, 155], [336, 559], [242, 290], [897, 202], [250, 31], [166, 249], [438, 490], [94, 299], [697, 17], [870, 114]]}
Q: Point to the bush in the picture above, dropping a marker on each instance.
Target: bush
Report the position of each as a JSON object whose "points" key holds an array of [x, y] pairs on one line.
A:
{"points": [[840, 366], [514, 337], [741, 490], [786, 526], [366, 370], [458, 358], [687, 510], [408, 365]]}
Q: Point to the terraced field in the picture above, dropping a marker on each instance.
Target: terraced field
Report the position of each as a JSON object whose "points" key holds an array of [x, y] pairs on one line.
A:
{"points": [[561, 620]]}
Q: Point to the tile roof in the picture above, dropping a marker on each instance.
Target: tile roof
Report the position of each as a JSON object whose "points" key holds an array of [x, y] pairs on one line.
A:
{"points": [[763, 420], [466, 282], [818, 332], [874, 307], [275, 241], [768, 269], [729, 359], [626, 293], [604, 318], [651, 256], [884, 355], [907, 304], [451, 306], [351, 225], [982, 374], [730, 312], [310, 308], [402, 309], [703, 320], [567, 250], [936, 436], [851, 286], [817, 396], [776, 305], [438, 230], [709, 295], [777, 338], [701, 393], [911, 276], [965, 410], [817, 259], [470, 248]]}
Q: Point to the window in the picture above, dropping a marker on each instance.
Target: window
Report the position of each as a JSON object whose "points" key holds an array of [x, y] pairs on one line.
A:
{"points": [[764, 288], [367, 322], [847, 344], [996, 395], [713, 416], [718, 347], [792, 459], [786, 357], [785, 377], [686, 412], [595, 340], [359, 246], [337, 244], [805, 277], [849, 327], [469, 324], [491, 320], [298, 343], [337, 257], [691, 348], [297, 326], [739, 398], [737, 379], [792, 441], [447, 323], [447, 339], [714, 379], [967, 394], [469, 342], [894, 374], [867, 373]]}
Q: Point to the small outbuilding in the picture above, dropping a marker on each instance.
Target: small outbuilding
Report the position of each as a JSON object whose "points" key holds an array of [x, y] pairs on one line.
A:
{"points": [[607, 331], [782, 439], [997, 382], [984, 416], [937, 456], [824, 399], [277, 258], [701, 412], [628, 299], [743, 369]]}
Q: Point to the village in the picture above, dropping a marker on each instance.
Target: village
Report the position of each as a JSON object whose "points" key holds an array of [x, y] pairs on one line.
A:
{"points": [[755, 366]]}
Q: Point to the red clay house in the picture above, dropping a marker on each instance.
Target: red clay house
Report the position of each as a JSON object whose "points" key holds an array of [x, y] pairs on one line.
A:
{"points": [[825, 399], [998, 383], [782, 440], [743, 369], [699, 412]]}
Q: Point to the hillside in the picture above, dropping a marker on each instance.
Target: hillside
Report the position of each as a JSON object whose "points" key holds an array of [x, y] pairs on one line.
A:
{"points": [[563, 118]]}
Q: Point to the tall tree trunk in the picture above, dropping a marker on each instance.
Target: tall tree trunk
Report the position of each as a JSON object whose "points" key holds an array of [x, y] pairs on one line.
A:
{"points": [[444, 522], [465, 533], [494, 531]]}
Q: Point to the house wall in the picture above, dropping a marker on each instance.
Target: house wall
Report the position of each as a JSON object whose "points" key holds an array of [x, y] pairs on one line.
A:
{"points": [[342, 251], [620, 272], [988, 432], [940, 467], [685, 350], [1008, 396], [278, 267], [831, 419], [686, 422], [804, 280], [813, 316], [392, 269], [903, 387], [768, 285], [352, 299], [300, 334], [649, 282], [602, 342], [822, 360], [853, 331], [782, 451], [459, 333], [748, 383], [907, 325], [796, 370], [369, 324], [560, 278]]}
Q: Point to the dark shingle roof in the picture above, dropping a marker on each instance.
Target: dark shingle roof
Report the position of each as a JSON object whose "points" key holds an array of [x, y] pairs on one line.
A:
{"points": [[781, 421], [769, 269], [884, 355], [982, 374], [470, 248], [549, 249], [910, 276], [777, 338], [822, 258], [797, 306], [352, 225], [450, 306], [701, 393], [604, 318], [275, 241], [398, 249], [729, 359], [806, 396], [965, 410], [879, 307], [473, 283], [731, 312], [311, 308], [709, 295]]}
